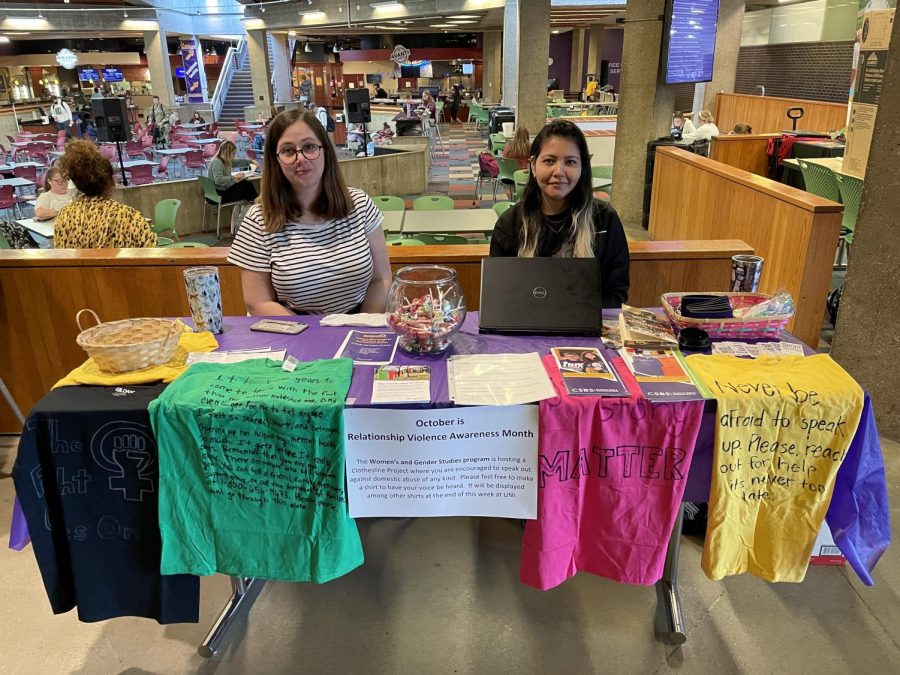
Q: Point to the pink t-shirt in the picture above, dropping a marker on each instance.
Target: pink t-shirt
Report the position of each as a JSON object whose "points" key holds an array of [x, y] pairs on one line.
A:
{"points": [[611, 475]]}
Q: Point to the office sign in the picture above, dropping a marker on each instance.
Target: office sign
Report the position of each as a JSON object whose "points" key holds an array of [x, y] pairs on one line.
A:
{"points": [[470, 461], [189, 59], [67, 58]]}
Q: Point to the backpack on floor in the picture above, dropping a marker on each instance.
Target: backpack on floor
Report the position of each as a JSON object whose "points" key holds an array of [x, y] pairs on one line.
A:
{"points": [[488, 165], [329, 122]]}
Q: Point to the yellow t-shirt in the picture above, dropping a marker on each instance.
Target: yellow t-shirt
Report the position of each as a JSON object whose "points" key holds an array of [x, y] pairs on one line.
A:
{"points": [[89, 373], [783, 428]]}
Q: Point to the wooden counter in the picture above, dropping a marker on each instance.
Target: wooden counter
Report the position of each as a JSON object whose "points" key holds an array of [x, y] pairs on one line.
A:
{"points": [[695, 197], [743, 151], [41, 290], [767, 114]]}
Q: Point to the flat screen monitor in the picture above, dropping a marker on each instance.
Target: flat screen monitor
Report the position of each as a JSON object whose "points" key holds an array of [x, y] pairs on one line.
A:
{"points": [[374, 78], [689, 40], [409, 71], [112, 75], [468, 68], [88, 74]]}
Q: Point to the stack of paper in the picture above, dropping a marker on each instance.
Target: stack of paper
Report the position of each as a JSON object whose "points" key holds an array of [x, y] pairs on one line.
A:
{"points": [[235, 356], [498, 379], [642, 328], [759, 349]]}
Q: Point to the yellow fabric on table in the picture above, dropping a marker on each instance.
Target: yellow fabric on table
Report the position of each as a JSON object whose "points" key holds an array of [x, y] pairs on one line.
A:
{"points": [[783, 427], [89, 373]]}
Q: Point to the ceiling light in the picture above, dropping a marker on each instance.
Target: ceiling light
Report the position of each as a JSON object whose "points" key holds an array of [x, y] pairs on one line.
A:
{"points": [[307, 48], [292, 32], [312, 14], [3, 39], [467, 16], [458, 22], [387, 6], [124, 13], [335, 49], [554, 31]]}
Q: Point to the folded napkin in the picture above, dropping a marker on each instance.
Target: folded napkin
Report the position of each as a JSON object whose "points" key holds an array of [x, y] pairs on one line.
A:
{"points": [[373, 320]]}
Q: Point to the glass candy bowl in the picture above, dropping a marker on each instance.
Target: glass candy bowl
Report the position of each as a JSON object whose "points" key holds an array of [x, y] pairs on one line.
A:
{"points": [[425, 307]]}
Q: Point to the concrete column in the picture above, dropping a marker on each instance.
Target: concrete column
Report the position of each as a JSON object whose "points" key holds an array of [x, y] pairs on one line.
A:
{"points": [[645, 106], [159, 66], [728, 47], [492, 50], [534, 52], [510, 88], [260, 71], [576, 71], [282, 66], [595, 50], [867, 338]]}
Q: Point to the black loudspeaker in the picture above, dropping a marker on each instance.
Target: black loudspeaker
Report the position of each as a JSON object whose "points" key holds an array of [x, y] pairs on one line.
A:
{"points": [[358, 111], [111, 118]]}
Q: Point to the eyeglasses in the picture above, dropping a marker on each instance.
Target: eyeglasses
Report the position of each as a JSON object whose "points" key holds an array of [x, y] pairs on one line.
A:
{"points": [[288, 154]]}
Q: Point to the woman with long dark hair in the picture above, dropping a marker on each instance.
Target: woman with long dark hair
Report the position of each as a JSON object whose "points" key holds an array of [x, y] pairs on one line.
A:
{"points": [[558, 215], [311, 245]]}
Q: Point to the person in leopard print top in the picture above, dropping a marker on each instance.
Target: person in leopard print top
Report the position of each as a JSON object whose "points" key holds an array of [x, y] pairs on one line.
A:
{"points": [[93, 220]]}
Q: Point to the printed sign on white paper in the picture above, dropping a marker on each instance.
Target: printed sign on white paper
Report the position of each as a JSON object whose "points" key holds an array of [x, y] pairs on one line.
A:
{"points": [[476, 461]]}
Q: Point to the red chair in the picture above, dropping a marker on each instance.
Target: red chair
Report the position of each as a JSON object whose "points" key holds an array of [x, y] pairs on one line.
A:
{"points": [[179, 144], [194, 160], [8, 200], [251, 155], [37, 152], [141, 174], [146, 141], [26, 172], [148, 155], [134, 149], [214, 129], [163, 169], [109, 151], [209, 150]]}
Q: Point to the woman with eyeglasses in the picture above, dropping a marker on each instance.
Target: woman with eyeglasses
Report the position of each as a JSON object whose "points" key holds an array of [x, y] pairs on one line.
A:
{"points": [[311, 245], [56, 195], [558, 216]]}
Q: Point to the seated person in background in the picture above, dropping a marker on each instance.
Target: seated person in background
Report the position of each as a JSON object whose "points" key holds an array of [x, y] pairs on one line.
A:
{"points": [[705, 131], [683, 124], [742, 129], [355, 134], [197, 118], [310, 245], [519, 148], [558, 215], [590, 91], [231, 188], [383, 135], [380, 92], [428, 104], [93, 220], [90, 129], [259, 140], [55, 195]]}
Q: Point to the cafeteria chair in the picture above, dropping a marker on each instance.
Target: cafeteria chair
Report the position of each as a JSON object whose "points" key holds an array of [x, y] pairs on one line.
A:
{"points": [[389, 203], [820, 180], [8, 200], [440, 239], [521, 179], [109, 152], [37, 152], [194, 160], [602, 171], [209, 151], [482, 116], [4, 243], [187, 244], [162, 242], [26, 172], [251, 155], [162, 171], [507, 178], [164, 214], [405, 241], [213, 198], [851, 189], [141, 174], [433, 203], [496, 143], [502, 207]]}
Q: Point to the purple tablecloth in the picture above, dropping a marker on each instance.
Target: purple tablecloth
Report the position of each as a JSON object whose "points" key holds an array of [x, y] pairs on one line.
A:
{"points": [[858, 515]]}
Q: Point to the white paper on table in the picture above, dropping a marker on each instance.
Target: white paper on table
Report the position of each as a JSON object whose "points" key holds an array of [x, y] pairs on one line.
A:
{"points": [[400, 390], [235, 356], [791, 349], [372, 320], [498, 379]]}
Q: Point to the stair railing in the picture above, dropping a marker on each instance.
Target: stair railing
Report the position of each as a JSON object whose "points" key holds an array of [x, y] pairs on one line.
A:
{"points": [[235, 58]]}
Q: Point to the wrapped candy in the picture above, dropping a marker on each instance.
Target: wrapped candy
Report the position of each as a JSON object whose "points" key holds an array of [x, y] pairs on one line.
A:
{"points": [[425, 307]]}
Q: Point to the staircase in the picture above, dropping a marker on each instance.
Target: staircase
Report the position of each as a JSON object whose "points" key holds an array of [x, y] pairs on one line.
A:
{"points": [[239, 95]]}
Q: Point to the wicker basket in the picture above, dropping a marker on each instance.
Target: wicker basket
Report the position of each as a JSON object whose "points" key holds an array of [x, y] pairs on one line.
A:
{"points": [[132, 344], [755, 328]]}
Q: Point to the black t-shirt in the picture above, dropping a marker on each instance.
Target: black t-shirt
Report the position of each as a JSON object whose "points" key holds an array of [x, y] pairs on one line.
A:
{"points": [[610, 245], [88, 481]]}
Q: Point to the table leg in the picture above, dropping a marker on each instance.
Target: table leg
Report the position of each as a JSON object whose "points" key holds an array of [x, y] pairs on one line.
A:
{"points": [[240, 587], [669, 621]]}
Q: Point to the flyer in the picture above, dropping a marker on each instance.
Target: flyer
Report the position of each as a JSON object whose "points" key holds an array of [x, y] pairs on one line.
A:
{"points": [[661, 374], [585, 372], [401, 384], [369, 349]]}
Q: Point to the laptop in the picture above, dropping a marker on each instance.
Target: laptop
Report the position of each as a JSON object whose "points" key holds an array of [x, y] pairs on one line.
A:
{"points": [[540, 296]]}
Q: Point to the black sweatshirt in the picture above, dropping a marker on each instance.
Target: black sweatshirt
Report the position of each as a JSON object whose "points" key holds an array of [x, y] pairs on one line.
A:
{"points": [[610, 245]]}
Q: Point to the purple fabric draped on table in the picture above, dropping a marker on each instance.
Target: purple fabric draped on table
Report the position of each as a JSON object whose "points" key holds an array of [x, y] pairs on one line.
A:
{"points": [[858, 515]]}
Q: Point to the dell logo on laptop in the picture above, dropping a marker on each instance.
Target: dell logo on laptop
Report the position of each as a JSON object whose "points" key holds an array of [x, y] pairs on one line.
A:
{"points": [[539, 292]]}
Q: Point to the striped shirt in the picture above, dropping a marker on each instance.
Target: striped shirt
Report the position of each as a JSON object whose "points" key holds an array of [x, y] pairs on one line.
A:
{"points": [[323, 268]]}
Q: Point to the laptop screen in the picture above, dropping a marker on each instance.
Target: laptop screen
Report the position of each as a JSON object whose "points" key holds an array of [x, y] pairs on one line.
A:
{"points": [[540, 296]]}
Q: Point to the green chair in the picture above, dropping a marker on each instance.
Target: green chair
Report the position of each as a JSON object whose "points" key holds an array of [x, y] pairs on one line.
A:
{"points": [[602, 171], [521, 179], [212, 198], [507, 174], [820, 180], [440, 239], [188, 244], [851, 189], [496, 143], [3, 242], [389, 203], [405, 241], [479, 115], [164, 241], [164, 215], [502, 207], [433, 203]]}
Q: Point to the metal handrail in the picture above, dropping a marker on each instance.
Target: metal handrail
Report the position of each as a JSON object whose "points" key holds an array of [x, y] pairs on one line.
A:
{"points": [[234, 60]]}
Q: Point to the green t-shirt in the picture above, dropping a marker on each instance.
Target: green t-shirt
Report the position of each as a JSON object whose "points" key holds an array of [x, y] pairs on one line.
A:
{"points": [[251, 471]]}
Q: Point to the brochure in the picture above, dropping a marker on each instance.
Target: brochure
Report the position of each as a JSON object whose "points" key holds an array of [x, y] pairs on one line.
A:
{"points": [[758, 349], [369, 349], [661, 374], [401, 384], [644, 329], [586, 372]]}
